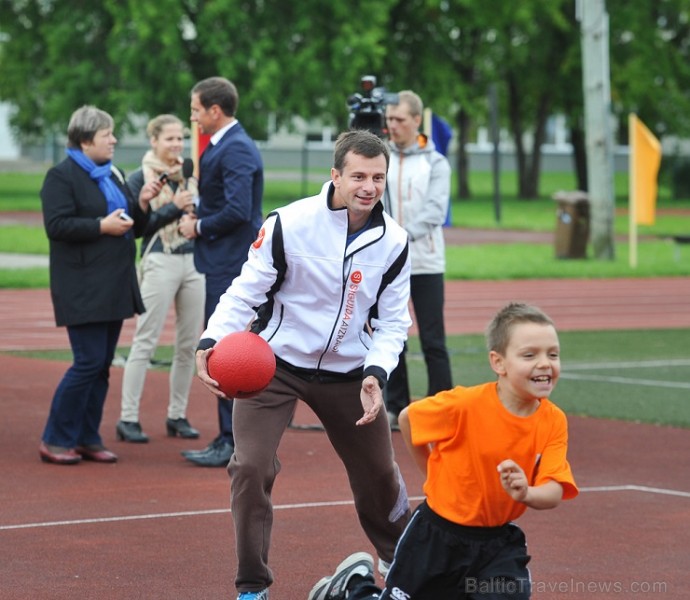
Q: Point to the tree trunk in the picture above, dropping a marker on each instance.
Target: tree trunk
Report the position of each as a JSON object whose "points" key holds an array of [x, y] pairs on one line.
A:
{"points": [[528, 166], [532, 176], [515, 118], [577, 139]]}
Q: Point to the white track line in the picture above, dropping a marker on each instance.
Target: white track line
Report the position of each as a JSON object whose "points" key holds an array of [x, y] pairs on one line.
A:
{"points": [[220, 511], [642, 364], [636, 488], [673, 362], [683, 385]]}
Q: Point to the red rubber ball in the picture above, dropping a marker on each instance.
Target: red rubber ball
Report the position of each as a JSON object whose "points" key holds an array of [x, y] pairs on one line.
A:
{"points": [[242, 363]]}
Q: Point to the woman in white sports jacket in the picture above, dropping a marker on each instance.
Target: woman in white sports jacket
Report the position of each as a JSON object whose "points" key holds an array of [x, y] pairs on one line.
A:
{"points": [[327, 285]]}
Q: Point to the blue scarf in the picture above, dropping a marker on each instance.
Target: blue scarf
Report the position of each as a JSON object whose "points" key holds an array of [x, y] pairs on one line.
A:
{"points": [[100, 174]]}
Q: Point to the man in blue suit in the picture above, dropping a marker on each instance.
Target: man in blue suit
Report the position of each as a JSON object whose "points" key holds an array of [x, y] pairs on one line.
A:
{"points": [[227, 221]]}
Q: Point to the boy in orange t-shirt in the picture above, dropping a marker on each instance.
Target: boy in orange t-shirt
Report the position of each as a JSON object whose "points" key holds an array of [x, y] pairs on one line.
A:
{"points": [[488, 452]]}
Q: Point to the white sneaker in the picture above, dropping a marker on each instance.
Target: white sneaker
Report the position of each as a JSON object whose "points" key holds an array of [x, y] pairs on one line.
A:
{"points": [[383, 568], [335, 586], [262, 595]]}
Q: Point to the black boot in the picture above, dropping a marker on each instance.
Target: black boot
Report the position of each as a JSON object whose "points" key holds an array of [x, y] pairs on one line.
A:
{"points": [[182, 428], [130, 431]]}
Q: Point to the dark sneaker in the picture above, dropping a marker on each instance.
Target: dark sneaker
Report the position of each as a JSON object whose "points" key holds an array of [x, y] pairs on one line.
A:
{"points": [[216, 455], [215, 442], [335, 586]]}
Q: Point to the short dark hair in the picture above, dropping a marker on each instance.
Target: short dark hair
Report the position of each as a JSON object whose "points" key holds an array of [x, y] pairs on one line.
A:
{"points": [[220, 91], [358, 141], [499, 330], [84, 123]]}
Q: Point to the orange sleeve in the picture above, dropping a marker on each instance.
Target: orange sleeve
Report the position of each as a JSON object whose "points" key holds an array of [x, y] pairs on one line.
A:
{"points": [[435, 419], [553, 463]]}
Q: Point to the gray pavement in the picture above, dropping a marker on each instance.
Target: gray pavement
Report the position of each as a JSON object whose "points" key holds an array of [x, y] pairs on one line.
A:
{"points": [[22, 261]]}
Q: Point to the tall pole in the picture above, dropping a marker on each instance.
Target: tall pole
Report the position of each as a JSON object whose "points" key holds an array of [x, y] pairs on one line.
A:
{"points": [[594, 27]]}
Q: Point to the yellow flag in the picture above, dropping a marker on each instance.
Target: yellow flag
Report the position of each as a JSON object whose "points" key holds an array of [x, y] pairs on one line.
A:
{"points": [[645, 159]]}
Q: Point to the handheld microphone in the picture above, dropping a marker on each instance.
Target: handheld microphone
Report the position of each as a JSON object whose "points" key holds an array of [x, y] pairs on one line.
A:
{"points": [[187, 170]]}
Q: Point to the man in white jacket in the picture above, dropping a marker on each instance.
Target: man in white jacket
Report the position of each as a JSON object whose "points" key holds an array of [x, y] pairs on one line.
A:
{"points": [[326, 283], [417, 196]]}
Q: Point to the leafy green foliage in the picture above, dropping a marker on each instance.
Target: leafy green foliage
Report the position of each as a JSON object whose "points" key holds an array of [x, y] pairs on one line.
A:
{"points": [[303, 59], [649, 53], [54, 60]]}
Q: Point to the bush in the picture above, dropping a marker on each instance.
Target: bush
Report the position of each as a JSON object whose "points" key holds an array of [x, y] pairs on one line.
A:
{"points": [[679, 167]]}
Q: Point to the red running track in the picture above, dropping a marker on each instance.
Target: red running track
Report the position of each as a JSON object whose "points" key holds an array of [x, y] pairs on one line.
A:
{"points": [[155, 527], [26, 316]]}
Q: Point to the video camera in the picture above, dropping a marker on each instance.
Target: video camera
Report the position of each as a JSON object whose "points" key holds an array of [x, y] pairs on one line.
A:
{"points": [[368, 108]]}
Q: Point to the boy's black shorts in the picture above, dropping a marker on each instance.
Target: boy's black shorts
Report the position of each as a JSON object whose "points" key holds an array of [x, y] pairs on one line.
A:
{"points": [[436, 558]]}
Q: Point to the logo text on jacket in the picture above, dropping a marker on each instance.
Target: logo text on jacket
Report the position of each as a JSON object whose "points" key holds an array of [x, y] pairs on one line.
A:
{"points": [[355, 280]]}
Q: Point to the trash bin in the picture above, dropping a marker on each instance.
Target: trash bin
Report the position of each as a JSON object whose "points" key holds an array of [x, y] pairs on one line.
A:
{"points": [[572, 224]]}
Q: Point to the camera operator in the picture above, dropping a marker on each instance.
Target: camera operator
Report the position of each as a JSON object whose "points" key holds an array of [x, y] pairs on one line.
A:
{"points": [[368, 108], [417, 197]]}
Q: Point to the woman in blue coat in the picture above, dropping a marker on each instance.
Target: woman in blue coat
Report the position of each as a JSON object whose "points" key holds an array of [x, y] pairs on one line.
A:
{"points": [[91, 219]]}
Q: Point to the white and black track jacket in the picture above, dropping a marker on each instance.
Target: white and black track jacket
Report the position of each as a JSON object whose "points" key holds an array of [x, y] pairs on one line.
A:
{"points": [[324, 307]]}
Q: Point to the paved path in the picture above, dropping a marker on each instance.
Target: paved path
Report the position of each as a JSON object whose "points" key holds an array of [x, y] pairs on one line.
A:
{"points": [[22, 261]]}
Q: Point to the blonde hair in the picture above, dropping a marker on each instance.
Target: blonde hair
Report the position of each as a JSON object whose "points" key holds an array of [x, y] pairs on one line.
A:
{"points": [[413, 101], [501, 327], [155, 126]]}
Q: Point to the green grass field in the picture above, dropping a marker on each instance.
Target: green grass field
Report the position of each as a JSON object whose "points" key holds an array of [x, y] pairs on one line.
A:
{"points": [[657, 254], [629, 375]]}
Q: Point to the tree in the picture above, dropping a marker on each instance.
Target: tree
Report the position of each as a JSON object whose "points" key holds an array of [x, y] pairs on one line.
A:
{"points": [[305, 58], [532, 45], [453, 51], [650, 50], [43, 70], [438, 49], [132, 57]]}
